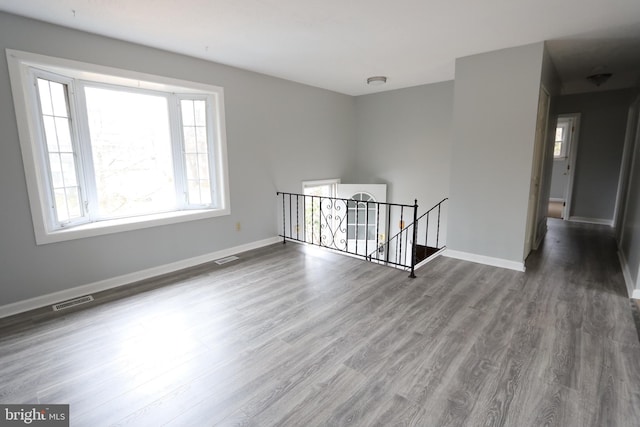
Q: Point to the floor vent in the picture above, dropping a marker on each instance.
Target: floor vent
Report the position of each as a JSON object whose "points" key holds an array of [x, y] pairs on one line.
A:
{"points": [[226, 260], [71, 303]]}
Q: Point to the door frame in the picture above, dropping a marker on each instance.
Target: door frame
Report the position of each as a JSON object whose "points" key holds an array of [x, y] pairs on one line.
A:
{"points": [[537, 170], [378, 192], [631, 136], [572, 157]]}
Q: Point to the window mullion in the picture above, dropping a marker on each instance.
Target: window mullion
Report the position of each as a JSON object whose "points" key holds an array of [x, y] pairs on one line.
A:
{"points": [[212, 143], [86, 153], [177, 150]]}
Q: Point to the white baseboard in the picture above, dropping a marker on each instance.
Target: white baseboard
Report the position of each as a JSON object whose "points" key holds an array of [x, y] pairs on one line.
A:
{"points": [[598, 221], [487, 260], [114, 282], [631, 291]]}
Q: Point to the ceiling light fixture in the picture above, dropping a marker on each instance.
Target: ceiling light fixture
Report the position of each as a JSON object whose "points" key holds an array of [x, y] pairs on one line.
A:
{"points": [[376, 80], [599, 79]]}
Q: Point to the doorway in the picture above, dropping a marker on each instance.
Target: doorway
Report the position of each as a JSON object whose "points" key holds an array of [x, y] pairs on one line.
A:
{"points": [[564, 156], [345, 217]]}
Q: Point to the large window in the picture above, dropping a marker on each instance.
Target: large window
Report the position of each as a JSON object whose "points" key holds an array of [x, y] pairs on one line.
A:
{"points": [[107, 150]]}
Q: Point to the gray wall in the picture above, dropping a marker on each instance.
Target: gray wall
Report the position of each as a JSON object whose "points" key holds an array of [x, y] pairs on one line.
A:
{"points": [[403, 139], [279, 133], [629, 229], [600, 144], [495, 109]]}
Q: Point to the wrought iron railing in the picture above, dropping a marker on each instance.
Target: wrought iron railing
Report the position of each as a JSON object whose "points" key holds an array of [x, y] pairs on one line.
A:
{"points": [[420, 240], [357, 227]]}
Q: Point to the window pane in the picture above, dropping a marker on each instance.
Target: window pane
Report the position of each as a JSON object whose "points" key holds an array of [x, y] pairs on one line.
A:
{"points": [[50, 133], [58, 99], [192, 166], [194, 192], [557, 149], [45, 97], [196, 151], [187, 112], [559, 134], [56, 170], [131, 144], [200, 113], [190, 145], [205, 192], [61, 205], [62, 165], [201, 134], [68, 169], [64, 137], [203, 166], [73, 202]]}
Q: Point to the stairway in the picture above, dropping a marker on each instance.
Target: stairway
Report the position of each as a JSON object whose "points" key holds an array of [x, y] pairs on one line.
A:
{"points": [[424, 252]]}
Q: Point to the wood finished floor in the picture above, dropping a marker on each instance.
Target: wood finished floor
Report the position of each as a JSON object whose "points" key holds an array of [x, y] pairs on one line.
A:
{"points": [[292, 336]]}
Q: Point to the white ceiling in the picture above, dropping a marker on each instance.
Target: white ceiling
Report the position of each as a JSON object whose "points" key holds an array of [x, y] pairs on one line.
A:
{"points": [[337, 44]]}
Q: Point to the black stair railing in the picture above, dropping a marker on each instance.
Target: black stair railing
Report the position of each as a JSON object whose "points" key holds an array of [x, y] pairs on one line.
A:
{"points": [[356, 227], [429, 238], [422, 237]]}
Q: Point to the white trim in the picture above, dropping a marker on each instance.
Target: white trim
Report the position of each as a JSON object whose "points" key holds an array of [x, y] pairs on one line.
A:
{"points": [[100, 228], [556, 199], [126, 279], [19, 64], [598, 221], [572, 158], [319, 182], [487, 260], [628, 281]]}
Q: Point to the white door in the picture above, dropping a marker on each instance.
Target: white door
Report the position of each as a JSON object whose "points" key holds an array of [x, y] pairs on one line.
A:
{"points": [[364, 228]]}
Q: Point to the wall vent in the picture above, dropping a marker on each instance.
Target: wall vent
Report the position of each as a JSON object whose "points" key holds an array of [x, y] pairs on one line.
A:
{"points": [[226, 260], [71, 303]]}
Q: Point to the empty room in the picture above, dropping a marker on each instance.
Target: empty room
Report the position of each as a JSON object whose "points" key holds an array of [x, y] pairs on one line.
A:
{"points": [[280, 213]]}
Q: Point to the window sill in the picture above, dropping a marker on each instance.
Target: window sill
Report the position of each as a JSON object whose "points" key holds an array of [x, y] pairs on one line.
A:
{"points": [[125, 224]]}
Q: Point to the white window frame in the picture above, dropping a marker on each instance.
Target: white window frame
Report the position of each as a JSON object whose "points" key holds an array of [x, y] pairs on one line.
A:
{"points": [[565, 140], [31, 139]]}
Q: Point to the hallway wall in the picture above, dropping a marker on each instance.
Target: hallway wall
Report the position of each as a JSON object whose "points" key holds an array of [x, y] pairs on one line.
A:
{"points": [[601, 141]]}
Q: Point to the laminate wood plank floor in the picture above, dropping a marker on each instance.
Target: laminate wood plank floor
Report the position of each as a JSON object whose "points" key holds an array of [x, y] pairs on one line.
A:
{"points": [[290, 335]]}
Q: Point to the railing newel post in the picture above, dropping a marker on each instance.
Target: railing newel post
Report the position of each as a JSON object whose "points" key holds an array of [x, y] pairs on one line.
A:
{"points": [[284, 220], [415, 237]]}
